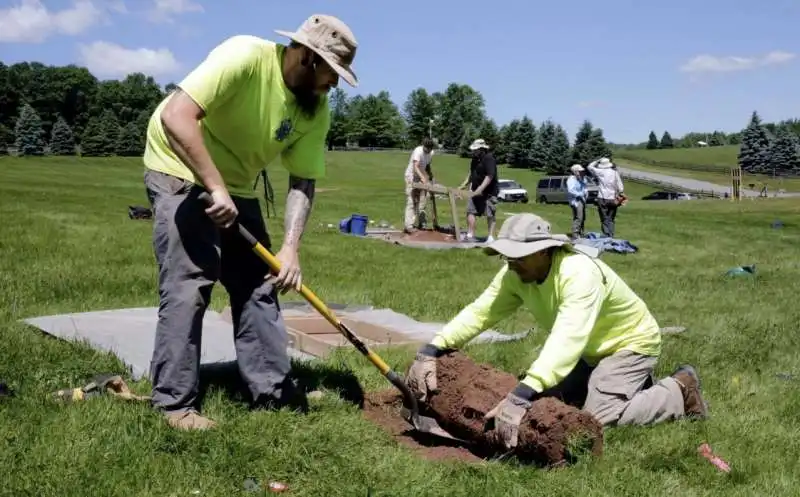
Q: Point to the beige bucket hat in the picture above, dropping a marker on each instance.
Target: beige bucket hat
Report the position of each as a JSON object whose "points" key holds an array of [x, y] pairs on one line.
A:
{"points": [[524, 234], [479, 143], [331, 39]]}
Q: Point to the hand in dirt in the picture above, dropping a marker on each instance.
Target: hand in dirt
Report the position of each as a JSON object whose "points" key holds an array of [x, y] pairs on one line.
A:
{"points": [[507, 415], [422, 374], [289, 276]]}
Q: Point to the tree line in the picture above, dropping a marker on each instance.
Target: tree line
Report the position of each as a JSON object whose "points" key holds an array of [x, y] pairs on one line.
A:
{"points": [[65, 110]]}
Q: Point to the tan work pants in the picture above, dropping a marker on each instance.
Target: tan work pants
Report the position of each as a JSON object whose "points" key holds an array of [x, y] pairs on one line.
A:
{"points": [[416, 200], [620, 390]]}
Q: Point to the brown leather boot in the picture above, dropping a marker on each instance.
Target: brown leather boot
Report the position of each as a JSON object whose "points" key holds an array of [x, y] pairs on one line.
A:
{"points": [[694, 405]]}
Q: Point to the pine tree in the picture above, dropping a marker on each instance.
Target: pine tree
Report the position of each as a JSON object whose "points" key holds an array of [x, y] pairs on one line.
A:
{"points": [[100, 136], [783, 154], [62, 140], [666, 140], [652, 141], [128, 143], [754, 151], [29, 132]]}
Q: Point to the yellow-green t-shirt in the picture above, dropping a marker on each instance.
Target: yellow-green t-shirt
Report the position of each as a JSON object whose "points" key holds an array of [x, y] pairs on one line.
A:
{"points": [[590, 311], [240, 88]]}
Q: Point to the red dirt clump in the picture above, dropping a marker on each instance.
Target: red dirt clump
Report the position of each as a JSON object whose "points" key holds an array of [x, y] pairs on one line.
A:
{"points": [[551, 432]]}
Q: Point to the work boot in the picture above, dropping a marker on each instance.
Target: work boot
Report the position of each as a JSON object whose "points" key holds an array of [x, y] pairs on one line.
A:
{"points": [[694, 405], [189, 420]]}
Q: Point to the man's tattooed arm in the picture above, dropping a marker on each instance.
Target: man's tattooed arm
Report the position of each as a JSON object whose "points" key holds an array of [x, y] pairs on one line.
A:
{"points": [[298, 207]]}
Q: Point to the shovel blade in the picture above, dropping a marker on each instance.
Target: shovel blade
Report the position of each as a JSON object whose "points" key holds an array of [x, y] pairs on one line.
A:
{"points": [[425, 424]]}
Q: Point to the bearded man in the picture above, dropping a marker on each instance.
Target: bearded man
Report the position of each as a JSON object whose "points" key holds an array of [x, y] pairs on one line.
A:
{"points": [[250, 101]]}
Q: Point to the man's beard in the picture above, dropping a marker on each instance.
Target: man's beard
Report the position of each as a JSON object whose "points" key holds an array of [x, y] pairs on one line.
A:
{"points": [[307, 99]]}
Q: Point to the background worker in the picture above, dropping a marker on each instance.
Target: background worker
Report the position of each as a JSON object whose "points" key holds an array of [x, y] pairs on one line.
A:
{"points": [[603, 339], [417, 171], [576, 196], [609, 194], [248, 102], [482, 181]]}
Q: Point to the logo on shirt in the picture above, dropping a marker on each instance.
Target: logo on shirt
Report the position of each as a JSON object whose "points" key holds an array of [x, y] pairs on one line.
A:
{"points": [[284, 130]]}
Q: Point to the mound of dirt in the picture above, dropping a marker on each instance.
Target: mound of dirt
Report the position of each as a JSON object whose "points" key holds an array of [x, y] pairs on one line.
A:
{"points": [[551, 433]]}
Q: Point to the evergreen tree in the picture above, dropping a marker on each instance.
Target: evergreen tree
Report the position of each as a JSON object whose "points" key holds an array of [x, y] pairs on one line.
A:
{"points": [[29, 132], [100, 136], [783, 153], [652, 141], [6, 138], [62, 140], [128, 143], [581, 153], [597, 146], [666, 140], [754, 151]]}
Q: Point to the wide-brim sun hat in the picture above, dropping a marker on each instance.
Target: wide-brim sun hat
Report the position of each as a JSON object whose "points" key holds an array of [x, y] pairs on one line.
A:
{"points": [[524, 234], [332, 40], [479, 143]]}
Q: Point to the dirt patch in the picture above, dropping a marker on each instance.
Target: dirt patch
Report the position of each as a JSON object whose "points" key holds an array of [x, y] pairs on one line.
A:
{"points": [[551, 433], [424, 236], [383, 408]]}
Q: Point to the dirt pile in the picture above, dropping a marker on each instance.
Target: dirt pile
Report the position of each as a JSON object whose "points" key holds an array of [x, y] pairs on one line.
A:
{"points": [[551, 433]]}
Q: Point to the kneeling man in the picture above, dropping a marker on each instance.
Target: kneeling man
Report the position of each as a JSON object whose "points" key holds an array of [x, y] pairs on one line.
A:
{"points": [[603, 344]]}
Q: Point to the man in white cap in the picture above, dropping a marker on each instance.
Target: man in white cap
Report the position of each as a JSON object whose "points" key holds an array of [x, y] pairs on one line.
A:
{"points": [[610, 191], [250, 101], [576, 196], [482, 181], [603, 343], [418, 170]]}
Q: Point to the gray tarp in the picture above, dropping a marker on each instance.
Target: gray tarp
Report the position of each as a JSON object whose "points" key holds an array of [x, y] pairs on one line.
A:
{"points": [[130, 333]]}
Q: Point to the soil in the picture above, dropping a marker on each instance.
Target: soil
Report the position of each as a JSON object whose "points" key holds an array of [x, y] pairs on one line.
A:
{"points": [[552, 433]]}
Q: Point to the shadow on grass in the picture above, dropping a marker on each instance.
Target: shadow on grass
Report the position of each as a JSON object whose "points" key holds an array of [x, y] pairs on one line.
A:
{"points": [[304, 378]]}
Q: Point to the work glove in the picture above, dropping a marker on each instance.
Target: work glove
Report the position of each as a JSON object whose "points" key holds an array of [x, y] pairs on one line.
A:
{"points": [[421, 377], [508, 414]]}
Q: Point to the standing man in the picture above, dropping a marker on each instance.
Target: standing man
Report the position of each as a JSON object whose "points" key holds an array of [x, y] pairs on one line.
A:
{"points": [[603, 344], [482, 180], [418, 170], [250, 101], [577, 195], [610, 191]]}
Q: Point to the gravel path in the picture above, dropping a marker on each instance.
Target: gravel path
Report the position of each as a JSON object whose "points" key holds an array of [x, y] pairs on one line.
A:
{"points": [[692, 184]]}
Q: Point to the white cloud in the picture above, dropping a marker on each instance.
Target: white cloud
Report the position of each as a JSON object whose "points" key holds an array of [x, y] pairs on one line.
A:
{"points": [[164, 10], [709, 63], [30, 21], [106, 59], [588, 104]]}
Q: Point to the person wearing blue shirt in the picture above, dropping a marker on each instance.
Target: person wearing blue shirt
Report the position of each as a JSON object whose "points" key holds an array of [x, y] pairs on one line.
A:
{"points": [[577, 195]]}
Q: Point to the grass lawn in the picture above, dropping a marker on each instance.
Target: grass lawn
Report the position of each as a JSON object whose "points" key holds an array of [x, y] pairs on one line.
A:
{"points": [[68, 246], [725, 156]]}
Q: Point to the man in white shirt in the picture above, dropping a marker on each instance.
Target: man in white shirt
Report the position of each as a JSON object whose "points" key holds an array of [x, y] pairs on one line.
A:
{"points": [[418, 170], [611, 189]]}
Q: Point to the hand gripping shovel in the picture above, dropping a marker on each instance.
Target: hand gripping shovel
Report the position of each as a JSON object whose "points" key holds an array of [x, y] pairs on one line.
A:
{"points": [[411, 409]]}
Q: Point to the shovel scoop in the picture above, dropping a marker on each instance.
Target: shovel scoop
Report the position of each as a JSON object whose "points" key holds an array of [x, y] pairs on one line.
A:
{"points": [[410, 410]]}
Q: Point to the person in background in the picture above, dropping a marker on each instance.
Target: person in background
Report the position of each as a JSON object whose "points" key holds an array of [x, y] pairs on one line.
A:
{"points": [[417, 171], [482, 180], [610, 191], [603, 343], [576, 196], [249, 102]]}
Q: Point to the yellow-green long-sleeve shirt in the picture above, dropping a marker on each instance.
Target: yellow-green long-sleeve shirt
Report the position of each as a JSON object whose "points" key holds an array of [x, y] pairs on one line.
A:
{"points": [[590, 311]]}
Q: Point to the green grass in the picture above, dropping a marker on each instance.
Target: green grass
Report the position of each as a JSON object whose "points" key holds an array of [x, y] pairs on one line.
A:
{"points": [[710, 164], [68, 246]]}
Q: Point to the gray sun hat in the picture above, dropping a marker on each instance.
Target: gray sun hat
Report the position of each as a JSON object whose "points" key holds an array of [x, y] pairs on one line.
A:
{"points": [[331, 39], [524, 234]]}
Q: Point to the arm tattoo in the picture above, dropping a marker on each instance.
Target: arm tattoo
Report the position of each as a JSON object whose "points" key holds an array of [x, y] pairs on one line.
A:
{"points": [[298, 207]]}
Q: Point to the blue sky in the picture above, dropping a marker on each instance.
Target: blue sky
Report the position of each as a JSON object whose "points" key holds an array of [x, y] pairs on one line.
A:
{"points": [[627, 66]]}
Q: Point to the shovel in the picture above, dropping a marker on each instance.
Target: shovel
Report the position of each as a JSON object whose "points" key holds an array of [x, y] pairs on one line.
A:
{"points": [[410, 411]]}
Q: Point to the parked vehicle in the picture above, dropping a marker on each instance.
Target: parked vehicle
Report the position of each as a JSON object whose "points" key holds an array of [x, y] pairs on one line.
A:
{"points": [[511, 191], [553, 190], [665, 195]]}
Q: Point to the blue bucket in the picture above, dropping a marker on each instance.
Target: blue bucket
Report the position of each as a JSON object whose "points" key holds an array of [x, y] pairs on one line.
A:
{"points": [[344, 225], [358, 224]]}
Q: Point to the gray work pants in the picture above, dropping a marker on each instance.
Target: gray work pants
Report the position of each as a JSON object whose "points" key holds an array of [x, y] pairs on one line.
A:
{"points": [[192, 254], [578, 218], [620, 390], [608, 215]]}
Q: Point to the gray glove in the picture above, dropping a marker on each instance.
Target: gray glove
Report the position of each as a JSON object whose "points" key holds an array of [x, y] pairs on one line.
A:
{"points": [[421, 377], [508, 414]]}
